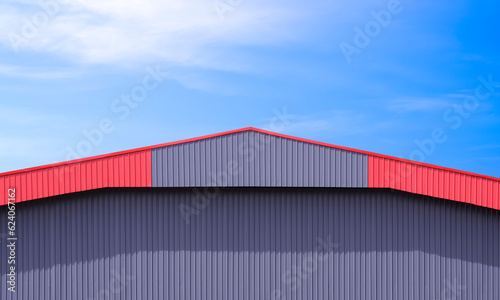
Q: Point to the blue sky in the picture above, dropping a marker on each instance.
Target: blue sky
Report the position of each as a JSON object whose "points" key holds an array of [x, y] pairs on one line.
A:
{"points": [[198, 67]]}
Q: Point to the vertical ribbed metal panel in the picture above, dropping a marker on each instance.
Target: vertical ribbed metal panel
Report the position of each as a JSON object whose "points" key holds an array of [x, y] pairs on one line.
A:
{"points": [[415, 178], [256, 159], [248, 243], [123, 170]]}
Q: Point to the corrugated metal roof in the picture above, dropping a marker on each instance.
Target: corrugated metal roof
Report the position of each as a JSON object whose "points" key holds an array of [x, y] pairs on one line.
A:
{"points": [[137, 168], [120, 170], [433, 181]]}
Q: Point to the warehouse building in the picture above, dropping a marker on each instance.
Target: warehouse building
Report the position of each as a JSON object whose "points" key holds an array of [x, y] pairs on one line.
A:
{"points": [[249, 214]]}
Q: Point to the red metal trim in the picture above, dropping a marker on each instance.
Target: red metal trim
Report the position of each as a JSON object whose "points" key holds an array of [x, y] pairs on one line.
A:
{"points": [[434, 182], [121, 170]]}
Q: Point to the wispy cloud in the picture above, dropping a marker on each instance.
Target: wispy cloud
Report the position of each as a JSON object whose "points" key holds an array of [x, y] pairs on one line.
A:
{"points": [[483, 159], [485, 147], [473, 57], [36, 73], [418, 104], [13, 147], [489, 158], [126, 32], [20, 116], [12, 115], [336, 123]]}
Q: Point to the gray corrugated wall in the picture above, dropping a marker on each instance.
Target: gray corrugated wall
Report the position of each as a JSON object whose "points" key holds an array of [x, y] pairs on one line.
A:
{"points": [[257, 159], [248, 243]]}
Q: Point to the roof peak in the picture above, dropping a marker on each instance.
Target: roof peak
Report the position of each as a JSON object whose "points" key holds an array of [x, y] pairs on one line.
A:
{"points": [[244, 129], [134, 168]]}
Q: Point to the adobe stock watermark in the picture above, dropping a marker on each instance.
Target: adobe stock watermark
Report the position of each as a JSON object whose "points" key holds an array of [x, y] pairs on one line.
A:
{"points": [[31, 27], [121, 108], [117, 284], [222, 7], [452, 290], [454, 117], [11, 241], [363, 36], [249, 150], [303, 271]]}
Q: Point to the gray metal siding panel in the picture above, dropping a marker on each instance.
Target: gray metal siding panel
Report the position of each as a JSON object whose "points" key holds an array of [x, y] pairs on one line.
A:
{"points": [[256, 159], [247, 243]]}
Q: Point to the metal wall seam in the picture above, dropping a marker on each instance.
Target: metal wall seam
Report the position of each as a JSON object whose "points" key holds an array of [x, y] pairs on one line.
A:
{"points": [[404, 176], [131, 169]]}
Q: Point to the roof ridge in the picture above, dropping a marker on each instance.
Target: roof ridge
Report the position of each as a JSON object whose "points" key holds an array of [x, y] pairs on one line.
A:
{"points": [[244, 129]]}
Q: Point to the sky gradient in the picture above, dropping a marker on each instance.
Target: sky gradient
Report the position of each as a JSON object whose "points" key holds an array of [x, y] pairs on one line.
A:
{"points": [[412, 79]]}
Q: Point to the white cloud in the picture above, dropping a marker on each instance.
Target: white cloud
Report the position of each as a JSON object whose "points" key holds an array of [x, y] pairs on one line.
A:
{"points": [[187, 32]]}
